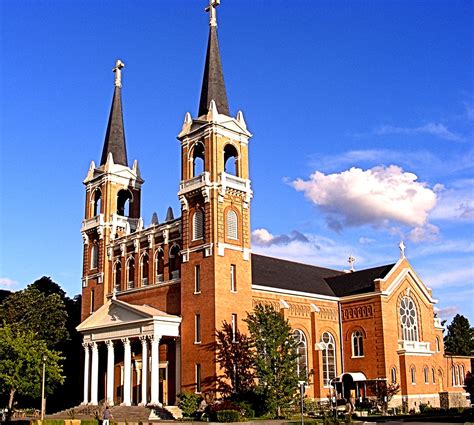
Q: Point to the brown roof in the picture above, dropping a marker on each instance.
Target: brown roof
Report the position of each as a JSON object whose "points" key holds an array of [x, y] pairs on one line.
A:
{"points": [[289, 275]]}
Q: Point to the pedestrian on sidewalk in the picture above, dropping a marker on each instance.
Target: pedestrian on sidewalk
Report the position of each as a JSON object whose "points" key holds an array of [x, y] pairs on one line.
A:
{"points": [[107, 416]]}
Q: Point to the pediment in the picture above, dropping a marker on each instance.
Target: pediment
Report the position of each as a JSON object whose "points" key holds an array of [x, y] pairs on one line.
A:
{"points": [[117, 313]]}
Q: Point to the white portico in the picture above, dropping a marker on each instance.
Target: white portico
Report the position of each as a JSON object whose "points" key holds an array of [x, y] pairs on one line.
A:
{"points": [[116, 325]]}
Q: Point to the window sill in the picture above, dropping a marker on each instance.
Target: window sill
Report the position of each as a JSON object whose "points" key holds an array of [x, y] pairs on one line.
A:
{"points": [[197, 342], [234, 292], [197, 293], [357, 357]]}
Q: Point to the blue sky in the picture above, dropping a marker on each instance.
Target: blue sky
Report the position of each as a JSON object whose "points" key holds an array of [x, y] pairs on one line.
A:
{"points": [[362, 114]]}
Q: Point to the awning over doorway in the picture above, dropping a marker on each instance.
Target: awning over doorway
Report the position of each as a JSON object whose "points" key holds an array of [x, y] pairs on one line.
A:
{"points": [[356, 377]]}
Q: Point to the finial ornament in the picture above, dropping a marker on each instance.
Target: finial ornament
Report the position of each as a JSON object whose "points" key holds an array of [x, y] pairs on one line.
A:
{"points": [[212, 12], [402, 247], [118, 72], [351, 260]]}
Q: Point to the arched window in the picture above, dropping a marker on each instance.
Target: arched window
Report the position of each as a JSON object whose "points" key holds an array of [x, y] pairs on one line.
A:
{"points": [[329, 358], [97, 202], [123, 202], [437, 345], [393, 375], [144, 267], [426, 375], [118, 275], [413, 375], [462, 375], [159, 265], [458, 378], [230, 160], [198, 225], [302, 350], [94, 256], [198, 159], [433, 375], [408, 319], [232, 230], [174, 262], [453, 373], [357, 344], [130, 273]]}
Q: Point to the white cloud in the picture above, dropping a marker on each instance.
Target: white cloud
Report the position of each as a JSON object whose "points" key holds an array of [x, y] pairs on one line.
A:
{"points": [[455, 202], [432, 128], [308, 249], [7, 283], [366, 241], [427, 233], [380, 196], [263, 237], [453, 278], [447, 312]]}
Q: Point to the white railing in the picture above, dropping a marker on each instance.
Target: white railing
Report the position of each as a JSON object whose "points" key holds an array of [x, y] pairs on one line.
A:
{"points": [[195, 183], [144, 281], [437, 323], [159, 278], [92, 222], [235, 182], [175, 274], [127, 223], [130, 284], [414, 346]]}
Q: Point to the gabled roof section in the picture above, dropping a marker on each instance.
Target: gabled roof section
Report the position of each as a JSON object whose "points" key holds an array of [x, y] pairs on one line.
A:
{"points": [[118, 313], [213, 87], [358, 282], [114, 142], [283, 274]]}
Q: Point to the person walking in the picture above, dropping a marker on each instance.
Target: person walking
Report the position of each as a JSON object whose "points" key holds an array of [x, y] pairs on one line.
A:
{"points": [[107, 416]]}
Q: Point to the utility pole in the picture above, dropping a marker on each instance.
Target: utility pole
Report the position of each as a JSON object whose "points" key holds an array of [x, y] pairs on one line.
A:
{"points": [[42, 388]]}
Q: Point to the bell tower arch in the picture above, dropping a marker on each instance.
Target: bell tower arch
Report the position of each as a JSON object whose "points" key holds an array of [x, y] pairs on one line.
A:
{"points": [[112, 206], [215, 194]]}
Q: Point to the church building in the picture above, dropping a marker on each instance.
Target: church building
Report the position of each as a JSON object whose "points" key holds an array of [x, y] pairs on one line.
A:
{"points": [[153, 296]]}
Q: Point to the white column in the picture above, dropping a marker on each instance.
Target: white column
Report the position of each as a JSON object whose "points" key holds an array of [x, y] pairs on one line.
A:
{"points": [[127, 372], [155, 370], [86, 372], [110, 372], [178, 365], [94, 374], [144, 370]]}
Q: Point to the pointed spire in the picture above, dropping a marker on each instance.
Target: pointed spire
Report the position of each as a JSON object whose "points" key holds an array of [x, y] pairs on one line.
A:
{"points": [[115, 136], [213, 87], [169, 215], [154, 218]]}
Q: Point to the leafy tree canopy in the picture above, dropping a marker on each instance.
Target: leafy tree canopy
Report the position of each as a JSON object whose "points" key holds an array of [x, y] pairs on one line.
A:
{"points": [[21, 363], [236, 361], [275, 358], [39, 308], [459, 338]]}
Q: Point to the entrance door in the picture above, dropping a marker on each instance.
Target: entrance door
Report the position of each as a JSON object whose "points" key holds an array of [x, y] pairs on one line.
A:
{"points": [[164, 383]]}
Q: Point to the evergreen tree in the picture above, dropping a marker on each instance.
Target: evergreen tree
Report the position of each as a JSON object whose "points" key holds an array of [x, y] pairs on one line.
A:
{"points": [[275, 358], [459, 339], [235, 359]]}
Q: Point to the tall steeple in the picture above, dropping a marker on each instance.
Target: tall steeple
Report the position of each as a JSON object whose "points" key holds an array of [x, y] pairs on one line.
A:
{"points": [[115, 136], [213, 87]]}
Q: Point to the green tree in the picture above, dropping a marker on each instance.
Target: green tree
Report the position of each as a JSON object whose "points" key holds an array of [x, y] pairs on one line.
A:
{"points": [[275, 358], [235, 358], [21, 364], [459, 338], [43, 314]]}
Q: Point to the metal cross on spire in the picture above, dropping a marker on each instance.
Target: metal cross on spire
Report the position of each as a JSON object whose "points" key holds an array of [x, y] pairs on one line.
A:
{"points": [[351, 260], [118, 72], [402, 247], [212, 12]]}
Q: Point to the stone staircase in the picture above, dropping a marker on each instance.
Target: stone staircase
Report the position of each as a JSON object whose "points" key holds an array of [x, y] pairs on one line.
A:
{"points": [[127, 414]]}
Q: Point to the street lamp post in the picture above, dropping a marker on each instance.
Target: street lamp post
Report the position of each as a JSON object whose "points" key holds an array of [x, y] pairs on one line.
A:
{"points": [[302, 385], [42, 388]]}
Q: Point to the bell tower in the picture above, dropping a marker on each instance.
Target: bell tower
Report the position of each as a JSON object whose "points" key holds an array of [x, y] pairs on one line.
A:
{"points": [[112, 206], [215, 199]]}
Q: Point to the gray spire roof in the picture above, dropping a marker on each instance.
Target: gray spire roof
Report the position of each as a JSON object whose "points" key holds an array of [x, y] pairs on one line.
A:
{"points": [[213, 87], [115, 135]]}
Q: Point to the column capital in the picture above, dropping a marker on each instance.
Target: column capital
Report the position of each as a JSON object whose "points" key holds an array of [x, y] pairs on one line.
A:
{"points": [[94, 345], [86, 345], [110, 344], [143, 338], [155, 338], [126, 341]]}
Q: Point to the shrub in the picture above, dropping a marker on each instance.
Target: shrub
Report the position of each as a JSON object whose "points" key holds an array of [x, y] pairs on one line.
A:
{"points": [[189, 403], [228, 416], [246, 409]]}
